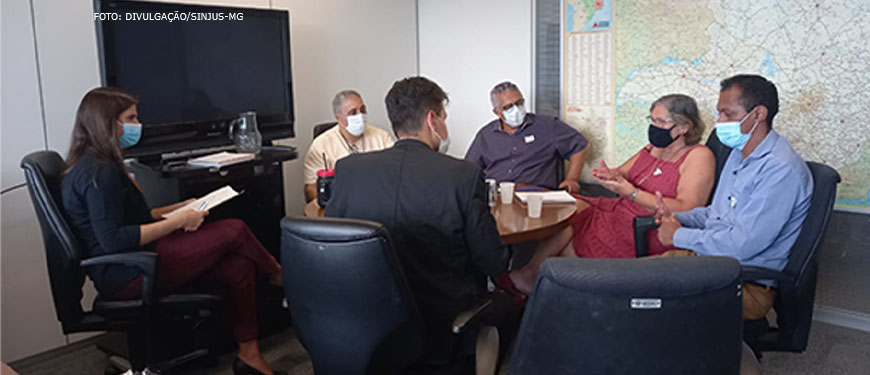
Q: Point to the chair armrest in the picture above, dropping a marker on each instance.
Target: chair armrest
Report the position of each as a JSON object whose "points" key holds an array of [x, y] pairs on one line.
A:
{"points": [[760, 273], [467, 316], [642, 224], [145, 262]]}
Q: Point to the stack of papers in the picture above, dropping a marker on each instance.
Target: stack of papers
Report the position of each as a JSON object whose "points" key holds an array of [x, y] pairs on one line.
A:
{"points": [[207, 202], [221, 159], [557, 196]]}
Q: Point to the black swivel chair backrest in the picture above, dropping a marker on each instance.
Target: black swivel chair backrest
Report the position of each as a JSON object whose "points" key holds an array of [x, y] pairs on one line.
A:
{"points": [[320, 128], [43, 171], [797, 290], [350, 301], [720, 152], [628, 316]]}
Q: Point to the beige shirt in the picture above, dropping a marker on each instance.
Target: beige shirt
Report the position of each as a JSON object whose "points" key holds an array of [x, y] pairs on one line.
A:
{"points": [[333, 146]]}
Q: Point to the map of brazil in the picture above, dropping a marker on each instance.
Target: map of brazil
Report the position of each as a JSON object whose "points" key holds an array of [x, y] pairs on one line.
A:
{"points": [[620, 56]]}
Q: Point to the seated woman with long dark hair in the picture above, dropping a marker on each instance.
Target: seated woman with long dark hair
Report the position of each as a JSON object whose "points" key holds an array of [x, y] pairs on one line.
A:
{"points": [[673, 165], [108, 214]]}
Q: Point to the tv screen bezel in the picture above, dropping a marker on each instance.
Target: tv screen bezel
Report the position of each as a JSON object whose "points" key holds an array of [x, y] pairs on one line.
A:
{"points": [[160, 138]]}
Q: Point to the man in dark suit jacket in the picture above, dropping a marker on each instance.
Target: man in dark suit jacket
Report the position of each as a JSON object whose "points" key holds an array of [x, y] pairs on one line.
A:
{"points": [[433, 205]]}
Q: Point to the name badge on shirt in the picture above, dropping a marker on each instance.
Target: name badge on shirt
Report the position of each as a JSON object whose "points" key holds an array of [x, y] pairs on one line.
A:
{"points": [[530, 138]]}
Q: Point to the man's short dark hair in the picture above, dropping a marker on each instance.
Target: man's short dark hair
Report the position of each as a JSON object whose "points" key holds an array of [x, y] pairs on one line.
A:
{"points": [[755, 91], [408, 102]]}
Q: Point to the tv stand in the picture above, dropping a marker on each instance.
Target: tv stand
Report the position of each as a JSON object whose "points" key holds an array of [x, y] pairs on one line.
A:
{"points": [[261, 206]]}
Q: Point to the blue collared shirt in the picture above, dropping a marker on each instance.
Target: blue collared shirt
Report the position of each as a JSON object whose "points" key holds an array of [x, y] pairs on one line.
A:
{"points": [[757, 209], [529, 156]]}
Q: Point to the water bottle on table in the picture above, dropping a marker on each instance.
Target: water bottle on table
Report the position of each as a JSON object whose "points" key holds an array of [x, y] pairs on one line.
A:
{"points": [[491, 191], [324, 186]]}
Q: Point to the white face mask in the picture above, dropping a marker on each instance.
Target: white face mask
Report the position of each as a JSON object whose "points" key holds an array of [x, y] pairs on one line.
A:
{"points": [[515, 115], [443, 143], [356, 124]]}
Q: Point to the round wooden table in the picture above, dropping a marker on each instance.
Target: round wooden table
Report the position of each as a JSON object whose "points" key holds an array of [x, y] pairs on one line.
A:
{"points": [[515, 225], [513, 221]]}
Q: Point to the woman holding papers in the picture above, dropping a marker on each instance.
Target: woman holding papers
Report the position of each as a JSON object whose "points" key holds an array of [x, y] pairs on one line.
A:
{"points": [[108, 214], [673, 164]]}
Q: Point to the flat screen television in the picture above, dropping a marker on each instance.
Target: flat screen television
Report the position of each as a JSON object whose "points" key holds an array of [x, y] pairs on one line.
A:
{"points": [[194, 75]]}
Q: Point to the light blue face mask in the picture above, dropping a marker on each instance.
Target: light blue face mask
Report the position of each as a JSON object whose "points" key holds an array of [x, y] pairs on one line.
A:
{"points": [[132, 134], [729, 133]]}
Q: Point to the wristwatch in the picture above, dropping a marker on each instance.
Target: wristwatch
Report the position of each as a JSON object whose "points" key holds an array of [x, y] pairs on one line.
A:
{"points": [[633, 196]]}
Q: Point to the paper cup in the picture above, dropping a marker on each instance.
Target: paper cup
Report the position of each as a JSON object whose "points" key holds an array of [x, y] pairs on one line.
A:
{"points": [[535, 203], [507, 192]]}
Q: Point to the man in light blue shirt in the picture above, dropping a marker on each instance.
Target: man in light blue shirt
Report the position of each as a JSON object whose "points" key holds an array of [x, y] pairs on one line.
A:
{"points": [[763, 194]]}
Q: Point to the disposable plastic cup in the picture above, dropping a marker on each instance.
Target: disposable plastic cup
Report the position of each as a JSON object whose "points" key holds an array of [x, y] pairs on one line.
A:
{"points": [[507, 192], [535, 203]]}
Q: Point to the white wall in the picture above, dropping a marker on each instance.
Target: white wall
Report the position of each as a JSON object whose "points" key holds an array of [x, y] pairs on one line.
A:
{"points": [[19, 109], [29, 323], [335, 45], [468, 46], [20, 132]]}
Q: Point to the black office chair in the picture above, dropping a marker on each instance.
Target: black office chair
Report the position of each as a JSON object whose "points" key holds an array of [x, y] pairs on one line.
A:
{"points": [[630, 316], [796, 282], [351, 304], [720, 153], [560, 171], [137, 318], [320, 128]]}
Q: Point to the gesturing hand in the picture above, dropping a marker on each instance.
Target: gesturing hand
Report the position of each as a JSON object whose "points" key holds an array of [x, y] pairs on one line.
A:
{"points": [[662, 209], [603, 172], [612, 180], [668, 223]]}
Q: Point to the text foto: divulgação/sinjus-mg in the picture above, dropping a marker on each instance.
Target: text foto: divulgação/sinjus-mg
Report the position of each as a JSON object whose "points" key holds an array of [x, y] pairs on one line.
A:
{"points": [[169, 16]]}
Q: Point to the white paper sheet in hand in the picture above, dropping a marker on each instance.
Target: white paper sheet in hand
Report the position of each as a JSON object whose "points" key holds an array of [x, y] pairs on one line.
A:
{"points": [[557, 196], [207, 202]]}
